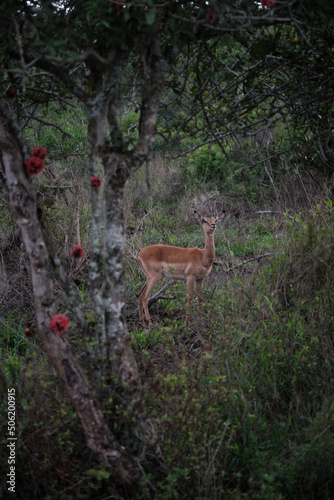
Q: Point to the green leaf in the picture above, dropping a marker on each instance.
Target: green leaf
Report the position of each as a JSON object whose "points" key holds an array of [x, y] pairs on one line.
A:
{"points": [[52, 51], [150, 16], [98, 474], [104, 23]]}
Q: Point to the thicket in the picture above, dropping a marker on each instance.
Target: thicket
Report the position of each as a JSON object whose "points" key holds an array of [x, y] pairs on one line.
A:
{"points": [[240, 404]]}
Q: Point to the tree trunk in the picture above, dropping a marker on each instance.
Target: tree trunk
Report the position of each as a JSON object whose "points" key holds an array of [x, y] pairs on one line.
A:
{"points": [[120, 352], [118, 166]]}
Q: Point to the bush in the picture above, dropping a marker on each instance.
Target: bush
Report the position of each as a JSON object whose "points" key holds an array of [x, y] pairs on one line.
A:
{"points": [[210, 164]]}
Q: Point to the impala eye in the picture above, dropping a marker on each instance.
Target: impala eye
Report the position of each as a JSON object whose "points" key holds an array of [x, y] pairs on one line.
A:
{"points": [[205, 221]]}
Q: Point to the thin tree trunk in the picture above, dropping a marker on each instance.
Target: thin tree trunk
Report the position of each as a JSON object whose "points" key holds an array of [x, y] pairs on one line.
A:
{"points": [[121, 355], [118, 167], [95, 135]]}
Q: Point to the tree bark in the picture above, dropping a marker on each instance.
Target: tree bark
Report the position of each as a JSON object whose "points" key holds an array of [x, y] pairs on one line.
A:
{"points": [[121, 355]]}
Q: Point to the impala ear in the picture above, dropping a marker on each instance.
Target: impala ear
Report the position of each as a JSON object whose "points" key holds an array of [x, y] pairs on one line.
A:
{"points": [[198, 216], [220, 216]]}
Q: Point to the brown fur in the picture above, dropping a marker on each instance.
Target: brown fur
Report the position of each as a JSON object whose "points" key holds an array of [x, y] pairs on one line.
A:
{"points": [[190, 264]]}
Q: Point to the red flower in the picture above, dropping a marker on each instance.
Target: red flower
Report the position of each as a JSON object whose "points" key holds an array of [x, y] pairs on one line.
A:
{"points": [[267, 3], [211, 17], [59, 323], [77, 252], [95, 181], [11, 93], [39, 152], [34, 165]]}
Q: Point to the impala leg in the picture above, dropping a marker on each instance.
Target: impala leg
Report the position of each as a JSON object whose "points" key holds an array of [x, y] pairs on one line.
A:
{"points": [[199, 290], [150, 284], [190, 293], [140, 303]]}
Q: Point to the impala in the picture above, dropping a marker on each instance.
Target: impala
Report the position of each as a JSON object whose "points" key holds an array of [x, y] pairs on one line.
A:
{"points": [[190, 264]]}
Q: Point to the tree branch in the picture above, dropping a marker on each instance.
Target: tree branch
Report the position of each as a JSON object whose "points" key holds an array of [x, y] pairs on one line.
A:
{"points": [[218, 263], [154, 298]]}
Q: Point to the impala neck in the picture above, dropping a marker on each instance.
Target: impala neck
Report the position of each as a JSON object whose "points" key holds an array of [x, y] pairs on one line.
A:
{"points": [[209, 249]]}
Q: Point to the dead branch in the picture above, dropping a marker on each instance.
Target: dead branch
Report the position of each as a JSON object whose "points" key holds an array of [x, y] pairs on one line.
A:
{"points": [[154, 298], [218, 263]]}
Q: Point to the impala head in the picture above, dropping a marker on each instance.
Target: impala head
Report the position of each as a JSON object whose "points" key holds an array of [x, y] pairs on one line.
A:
{"points": [[209, 223]]}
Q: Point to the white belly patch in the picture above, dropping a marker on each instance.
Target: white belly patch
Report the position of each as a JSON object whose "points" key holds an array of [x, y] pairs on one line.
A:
{"points": [[174, 276], [169, 272]]}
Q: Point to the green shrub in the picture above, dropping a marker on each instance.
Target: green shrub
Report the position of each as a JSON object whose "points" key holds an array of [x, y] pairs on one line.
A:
{"points": [[210, 164]]}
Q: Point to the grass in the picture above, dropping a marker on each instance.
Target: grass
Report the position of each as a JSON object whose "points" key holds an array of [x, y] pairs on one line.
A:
{"points": [[252, 405], [12, 337], [240, 403]]}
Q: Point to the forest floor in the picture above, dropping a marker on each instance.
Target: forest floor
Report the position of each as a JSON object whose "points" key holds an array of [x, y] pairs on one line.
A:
{"points": [[240, 401]]}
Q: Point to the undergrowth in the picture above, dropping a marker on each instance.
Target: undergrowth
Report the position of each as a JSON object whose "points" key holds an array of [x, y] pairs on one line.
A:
{"points": [[240, 401], [251, 405]]}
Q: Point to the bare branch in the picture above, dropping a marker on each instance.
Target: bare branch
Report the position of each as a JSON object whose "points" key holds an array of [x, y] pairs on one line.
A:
{"points": [[228, 270], [159, 295]]}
